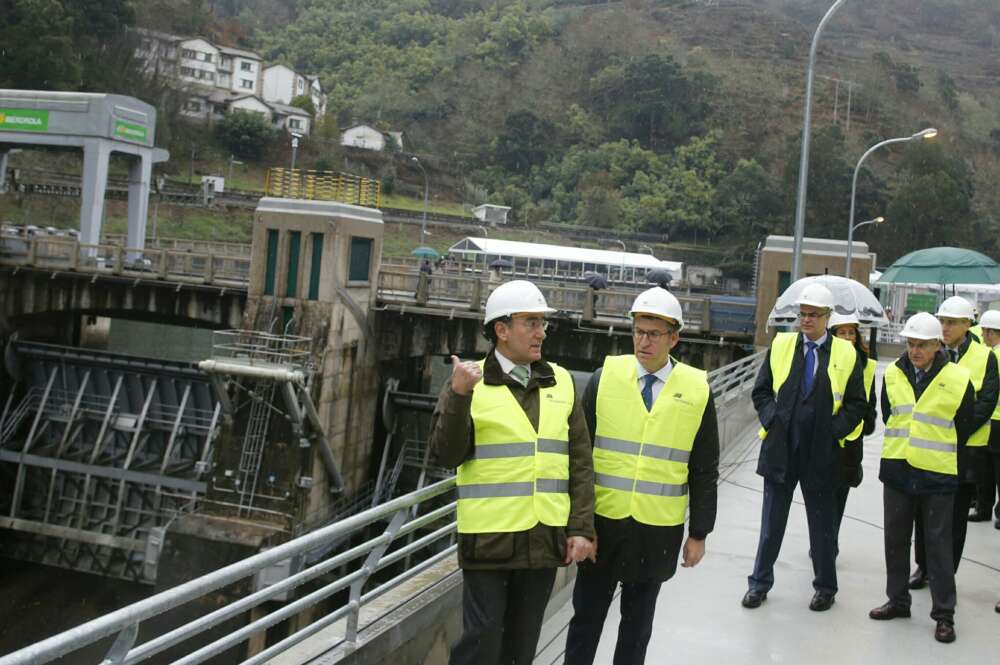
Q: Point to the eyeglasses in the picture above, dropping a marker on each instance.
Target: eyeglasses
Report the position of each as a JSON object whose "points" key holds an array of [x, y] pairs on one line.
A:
{"points": [[653, 336], [533, 323], [812, 315]]}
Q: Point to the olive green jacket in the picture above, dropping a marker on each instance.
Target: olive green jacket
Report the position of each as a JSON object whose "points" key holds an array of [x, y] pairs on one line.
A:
{"points": [[453, 442]]}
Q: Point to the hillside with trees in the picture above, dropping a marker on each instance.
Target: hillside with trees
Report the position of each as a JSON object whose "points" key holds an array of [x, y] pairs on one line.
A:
{"points": [[680, 118]]}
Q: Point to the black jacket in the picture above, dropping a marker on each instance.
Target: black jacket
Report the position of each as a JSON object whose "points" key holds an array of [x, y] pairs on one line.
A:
{"points": [[852, 454], [976, 466], [639, 551], [775, 414], [897, 473]]}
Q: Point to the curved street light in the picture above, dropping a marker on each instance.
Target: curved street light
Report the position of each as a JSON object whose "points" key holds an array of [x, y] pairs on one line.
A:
{"points": [[800, 204], [928, 133]]}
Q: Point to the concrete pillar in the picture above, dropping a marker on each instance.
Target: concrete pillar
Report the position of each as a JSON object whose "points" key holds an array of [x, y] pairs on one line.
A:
{"points": [[139, 174], [3, 171], [96, 154]]}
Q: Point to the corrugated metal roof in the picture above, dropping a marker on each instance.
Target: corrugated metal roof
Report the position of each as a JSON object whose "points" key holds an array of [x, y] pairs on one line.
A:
{"points": [[561, 253]]}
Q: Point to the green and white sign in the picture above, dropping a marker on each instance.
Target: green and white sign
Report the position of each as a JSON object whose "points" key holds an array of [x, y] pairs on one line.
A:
{"points": [[921, 302], [130, 131], [24, 120]]}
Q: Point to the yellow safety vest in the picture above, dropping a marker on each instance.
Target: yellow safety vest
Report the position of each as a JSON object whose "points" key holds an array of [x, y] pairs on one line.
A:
{"points": [[996, 411], [517, 477], [869, 376], [978, 332], [923, 432], [974, 360], [641, 457], [842, 358]]}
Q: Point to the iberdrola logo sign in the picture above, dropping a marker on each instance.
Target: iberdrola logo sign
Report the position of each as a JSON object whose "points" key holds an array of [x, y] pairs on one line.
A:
{"points": [[24, 120]]}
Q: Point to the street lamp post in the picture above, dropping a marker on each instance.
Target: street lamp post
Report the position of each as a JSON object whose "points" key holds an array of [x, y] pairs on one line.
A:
{"points": [[928, 133], [621, 275], [800, 204], [423, 224], [295, 148], [232, 160]]}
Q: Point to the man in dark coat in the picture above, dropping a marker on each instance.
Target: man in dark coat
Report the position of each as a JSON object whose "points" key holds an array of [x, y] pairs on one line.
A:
{"points": [[801, 441]]}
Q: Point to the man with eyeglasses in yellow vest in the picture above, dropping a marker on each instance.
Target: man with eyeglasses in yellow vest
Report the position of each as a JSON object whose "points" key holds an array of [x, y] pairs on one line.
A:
{"points": [[656, 445], [956, 315], [513, 427], [809, 395], [927, 407]]}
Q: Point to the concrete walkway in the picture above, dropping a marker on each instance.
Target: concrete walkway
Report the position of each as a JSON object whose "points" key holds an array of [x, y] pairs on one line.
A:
{"points": [[699, 618]]}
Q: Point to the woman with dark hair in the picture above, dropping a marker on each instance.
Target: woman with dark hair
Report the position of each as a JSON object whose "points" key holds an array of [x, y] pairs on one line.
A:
{"points": [[846, 326]]}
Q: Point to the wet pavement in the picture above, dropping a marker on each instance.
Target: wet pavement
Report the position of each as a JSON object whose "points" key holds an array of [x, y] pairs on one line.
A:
{"points": [[699, 618]]}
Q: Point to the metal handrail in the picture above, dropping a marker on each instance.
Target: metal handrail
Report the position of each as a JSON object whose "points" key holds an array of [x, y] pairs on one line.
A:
{"points": [[125, 621], [731, 380]]}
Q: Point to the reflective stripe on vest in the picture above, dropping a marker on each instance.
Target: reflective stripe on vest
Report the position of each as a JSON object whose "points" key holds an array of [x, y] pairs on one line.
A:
{"points": [[869, 377], [641, 457], [974, 360], [842, 359], [923, 433], [517, 477]]}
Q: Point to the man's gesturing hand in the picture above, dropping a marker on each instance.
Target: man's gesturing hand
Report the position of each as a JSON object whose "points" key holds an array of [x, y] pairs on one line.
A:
{"points": [[464, 376]]}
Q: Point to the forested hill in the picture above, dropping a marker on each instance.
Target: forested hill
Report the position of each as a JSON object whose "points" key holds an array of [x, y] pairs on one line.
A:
{"points": [[668, 116]]}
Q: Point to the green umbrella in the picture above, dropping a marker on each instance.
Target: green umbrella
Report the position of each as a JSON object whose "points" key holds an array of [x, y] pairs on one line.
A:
{"points": [[942, 265], [429, 252]]}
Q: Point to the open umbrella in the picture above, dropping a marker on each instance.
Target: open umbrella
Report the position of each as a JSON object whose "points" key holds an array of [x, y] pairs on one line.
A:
{"points": [[849, 297], [429, 252], [943, 265], [659, 276], [501, 263], [595, 280]]}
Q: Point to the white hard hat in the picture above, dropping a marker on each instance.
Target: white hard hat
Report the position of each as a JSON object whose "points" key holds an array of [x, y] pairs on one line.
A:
{"points": [[816, 295], [957, 307], [843, 319], [657, 301], [513, 297], [922, 325], [990, 319]]}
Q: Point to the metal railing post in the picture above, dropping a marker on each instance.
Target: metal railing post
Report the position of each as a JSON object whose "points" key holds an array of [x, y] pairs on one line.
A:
{"points": [[369, 567]]}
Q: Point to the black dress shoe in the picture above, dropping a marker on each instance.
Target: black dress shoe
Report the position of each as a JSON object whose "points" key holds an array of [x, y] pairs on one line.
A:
{"points": [[996, 523], [889, 611], [918, 580], [976, 516], [997, 608], [752, 599], [945, 632], [821, 602]]}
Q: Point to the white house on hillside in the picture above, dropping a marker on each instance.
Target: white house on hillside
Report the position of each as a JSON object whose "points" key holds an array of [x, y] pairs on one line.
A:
{"points": [[369, 138], [282, 84]]}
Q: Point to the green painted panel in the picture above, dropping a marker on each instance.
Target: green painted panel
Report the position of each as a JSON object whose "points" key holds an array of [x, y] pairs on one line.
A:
{"points": [[316, 265], [361, 259], [272, 262], [294, 249], [24, 120]]}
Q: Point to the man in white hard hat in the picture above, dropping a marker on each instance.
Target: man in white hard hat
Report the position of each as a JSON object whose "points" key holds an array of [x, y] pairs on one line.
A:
{"points": [[656, 446], [513, 427], [927, 407], [990, 487], [956, 315], [809, 395]]}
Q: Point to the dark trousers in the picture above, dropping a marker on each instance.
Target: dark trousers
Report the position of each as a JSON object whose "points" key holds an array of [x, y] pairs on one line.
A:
{"points": [[592, 595], [988, 490], [840, 505], [821, 514], [502, 613], [959, 527], [935, 512]]}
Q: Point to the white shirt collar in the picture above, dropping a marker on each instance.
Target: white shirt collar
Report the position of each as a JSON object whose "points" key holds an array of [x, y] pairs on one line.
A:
{"points": [[819, 342], [660, 374], [506, 364]]}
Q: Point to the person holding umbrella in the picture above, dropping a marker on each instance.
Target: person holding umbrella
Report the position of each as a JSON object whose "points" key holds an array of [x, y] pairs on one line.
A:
{"points": [[847, 327], [956, 315], [927, 407], [809, 395]]}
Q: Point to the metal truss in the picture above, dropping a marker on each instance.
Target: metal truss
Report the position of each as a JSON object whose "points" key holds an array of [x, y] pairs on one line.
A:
{"points": [[105, 451]]}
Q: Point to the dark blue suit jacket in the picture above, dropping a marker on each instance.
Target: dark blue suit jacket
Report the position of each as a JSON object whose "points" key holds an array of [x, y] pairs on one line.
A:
{"points": [[775, 412]]}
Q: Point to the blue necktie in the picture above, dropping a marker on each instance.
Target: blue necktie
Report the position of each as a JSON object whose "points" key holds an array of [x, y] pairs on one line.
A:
{"points": [[647, 391], [810, 370]]}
